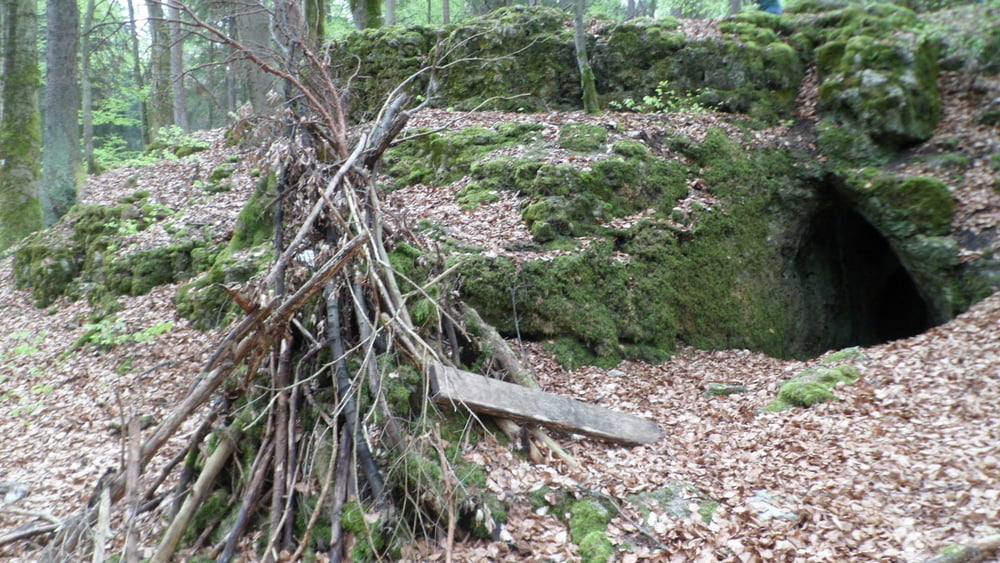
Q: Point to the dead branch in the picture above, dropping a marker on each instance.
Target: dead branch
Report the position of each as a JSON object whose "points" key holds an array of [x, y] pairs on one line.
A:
{"points": [[213, 465]]}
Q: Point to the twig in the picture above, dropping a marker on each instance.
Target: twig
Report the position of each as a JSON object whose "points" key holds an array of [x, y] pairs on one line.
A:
{"points": [[258, 470], [31, 531], [213, 465]]}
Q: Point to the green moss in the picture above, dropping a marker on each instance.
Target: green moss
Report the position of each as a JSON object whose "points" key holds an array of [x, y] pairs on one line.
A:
{"points": [[222, 172], [372, 539], [48, 270], [813, 386], [886, 87], [853, 354], [724, 389], [715, 288], [255, 223], [850, 144], [441, 158], [582, 137], [587, 516], [401, 390], [595, 547], [210, 512], [902, 207]]}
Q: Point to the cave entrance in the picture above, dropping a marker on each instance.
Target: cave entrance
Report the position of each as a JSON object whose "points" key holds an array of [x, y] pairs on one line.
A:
{"points": [[857, 291]]}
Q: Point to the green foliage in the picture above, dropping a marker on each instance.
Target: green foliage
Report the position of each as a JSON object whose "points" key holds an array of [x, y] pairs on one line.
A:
{"points": [[666, 100], [111, 332]]}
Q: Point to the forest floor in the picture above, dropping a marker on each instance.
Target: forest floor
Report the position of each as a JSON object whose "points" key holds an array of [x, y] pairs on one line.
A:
{"points": [[905, 463]]}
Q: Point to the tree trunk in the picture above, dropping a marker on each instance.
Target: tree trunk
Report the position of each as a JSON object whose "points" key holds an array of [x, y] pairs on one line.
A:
{"points": [[446, 12], [590, 103], [20, 131], [161, 107], [367, 13], [734, 6], [390, 12], [137, 70], [177, 67], [316, 21], [253, 31], [61, 167], [86, 90]]}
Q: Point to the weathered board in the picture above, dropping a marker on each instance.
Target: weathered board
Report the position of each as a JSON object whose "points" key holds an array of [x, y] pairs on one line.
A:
{"points": [[492, 396]]}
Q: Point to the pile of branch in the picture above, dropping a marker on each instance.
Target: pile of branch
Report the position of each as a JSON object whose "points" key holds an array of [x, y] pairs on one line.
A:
{"points": [[295, 392]]}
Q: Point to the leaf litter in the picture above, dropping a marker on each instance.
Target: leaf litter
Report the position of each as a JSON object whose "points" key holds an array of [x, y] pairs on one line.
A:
{"points": [[906, 462]]}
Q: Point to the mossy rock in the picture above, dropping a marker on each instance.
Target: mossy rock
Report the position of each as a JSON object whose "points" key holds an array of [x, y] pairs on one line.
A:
{"points": [[82, 256], [725, 389], [706, 288], [582, 137], [813, 386], [442, 158], [523, 59], [136, 273], [676, 498], [885, 87], [48, 269]]}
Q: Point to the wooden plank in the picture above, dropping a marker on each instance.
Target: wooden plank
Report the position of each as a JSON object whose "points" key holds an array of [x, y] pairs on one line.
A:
{"points": [[492, 396]]}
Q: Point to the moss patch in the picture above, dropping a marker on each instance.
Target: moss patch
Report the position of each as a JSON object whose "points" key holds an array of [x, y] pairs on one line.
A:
{"points": [[813, 386], [582, 137]]}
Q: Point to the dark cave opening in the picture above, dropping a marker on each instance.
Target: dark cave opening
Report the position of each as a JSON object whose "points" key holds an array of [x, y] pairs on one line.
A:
{"points": [[857, 291]]}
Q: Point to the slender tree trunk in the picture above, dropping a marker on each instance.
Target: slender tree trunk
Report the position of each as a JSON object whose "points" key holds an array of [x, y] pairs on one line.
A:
{"points": [[367, 13], [734, 6], [590, 103], [161, 106], [137, 70], [630, 12], [177, 67], [446, 12], [86, 90], [316, 21], [253, 32], [390, 12], [61, 167], [20, 131]]}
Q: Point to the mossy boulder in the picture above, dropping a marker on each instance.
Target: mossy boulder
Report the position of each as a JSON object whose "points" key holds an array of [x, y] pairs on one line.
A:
{"points": [[87, 254], [719, 286], [814, 386], [441, 158], [478, 62], [885, 88]]}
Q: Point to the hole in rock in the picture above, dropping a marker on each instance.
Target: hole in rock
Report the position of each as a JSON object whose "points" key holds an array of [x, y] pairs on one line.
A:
{"points": [[857, 290]]}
